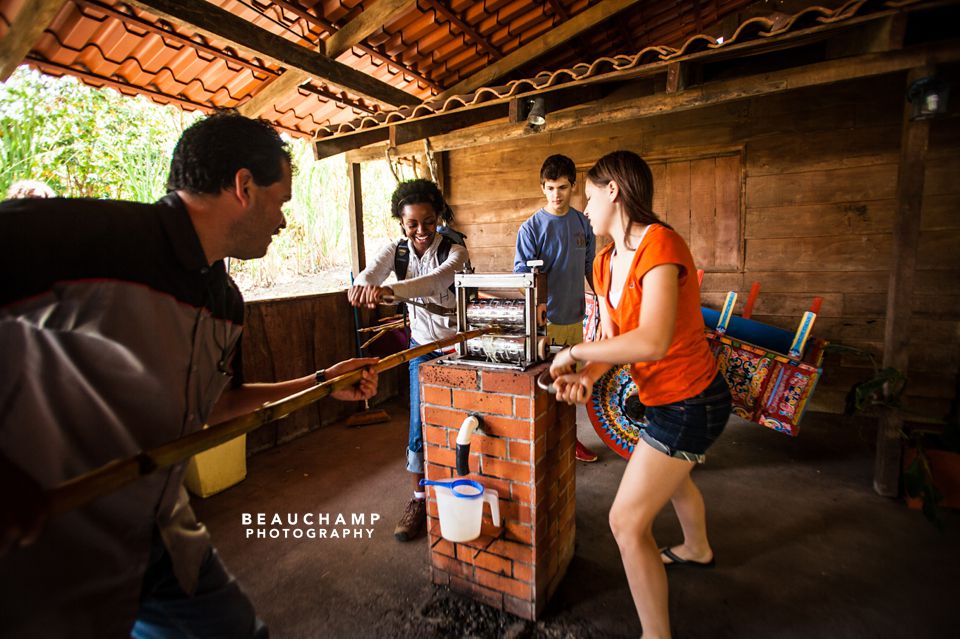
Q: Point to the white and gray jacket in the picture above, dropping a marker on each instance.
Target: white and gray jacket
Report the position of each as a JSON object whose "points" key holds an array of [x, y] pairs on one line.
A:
{"points": [[426, 281]]}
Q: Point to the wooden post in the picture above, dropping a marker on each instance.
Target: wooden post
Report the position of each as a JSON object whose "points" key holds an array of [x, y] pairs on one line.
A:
{"points": [[906, 236], [358, 257], [27, 27]]}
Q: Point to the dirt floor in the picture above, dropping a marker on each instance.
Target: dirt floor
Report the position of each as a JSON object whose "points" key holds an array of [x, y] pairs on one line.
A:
{"points": [[804, 547]]}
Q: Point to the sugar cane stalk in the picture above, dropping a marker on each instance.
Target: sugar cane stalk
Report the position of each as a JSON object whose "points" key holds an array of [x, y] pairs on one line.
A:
{"points": [[113, 475]]}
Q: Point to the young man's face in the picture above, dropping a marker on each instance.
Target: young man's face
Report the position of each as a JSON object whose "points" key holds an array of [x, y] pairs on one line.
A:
{"points": [[558, 193]]}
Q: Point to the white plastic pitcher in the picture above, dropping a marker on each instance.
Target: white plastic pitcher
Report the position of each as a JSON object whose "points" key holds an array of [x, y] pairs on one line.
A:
{"points": [[460, 502]]}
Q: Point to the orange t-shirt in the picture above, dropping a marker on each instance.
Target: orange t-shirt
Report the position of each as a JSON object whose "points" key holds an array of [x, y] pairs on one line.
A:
{"points": [[689, 365]]}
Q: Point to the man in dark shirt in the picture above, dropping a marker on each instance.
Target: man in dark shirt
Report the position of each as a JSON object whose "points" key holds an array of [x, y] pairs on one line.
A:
{"points": [[121, 330]]}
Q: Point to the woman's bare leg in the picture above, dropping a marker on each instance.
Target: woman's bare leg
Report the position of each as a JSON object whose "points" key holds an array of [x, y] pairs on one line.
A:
{"points": [[688, 502], [649, 481]]}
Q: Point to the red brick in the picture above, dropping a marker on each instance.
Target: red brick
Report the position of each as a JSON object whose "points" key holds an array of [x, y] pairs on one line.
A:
{"points": [[438, 473], [483, 594], [540, 450], [432, 508], [483, 402], [521, 492], [443, 546], [521, 407], [542, 402], [516, 511], [507, 470], [439, 577], [513, 550], [508, 382], [452, 566], [449, 376], [522, 608], [507, 427], [493, 563], [435, 435], [491, 446], [435, 395], [520, 451], [519, 532], [441, 456], [506, 585], [522, 571], [443, 417]]}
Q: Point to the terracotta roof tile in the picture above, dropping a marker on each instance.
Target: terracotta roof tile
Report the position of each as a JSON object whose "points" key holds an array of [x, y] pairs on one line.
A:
{"points": [[421, 52]]}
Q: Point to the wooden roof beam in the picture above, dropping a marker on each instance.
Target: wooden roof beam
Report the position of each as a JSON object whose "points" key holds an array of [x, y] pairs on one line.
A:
{"points": [[352, 33], [699, 96], [440, 7], [25, 30], [570, 29], [223, 25]]}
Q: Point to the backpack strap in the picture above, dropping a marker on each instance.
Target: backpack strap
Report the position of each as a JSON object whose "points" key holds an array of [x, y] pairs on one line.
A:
{"points": [[401, 259]]}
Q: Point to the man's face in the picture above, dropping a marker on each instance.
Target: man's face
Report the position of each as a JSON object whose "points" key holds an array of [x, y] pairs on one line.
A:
{"points": [[264, 217], [558, 193]]}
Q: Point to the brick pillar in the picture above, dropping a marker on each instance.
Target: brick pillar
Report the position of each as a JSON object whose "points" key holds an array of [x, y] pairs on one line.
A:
{"points": [[526, 453]]}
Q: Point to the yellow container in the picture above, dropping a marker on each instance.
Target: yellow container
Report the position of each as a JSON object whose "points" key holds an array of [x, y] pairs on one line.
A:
{"points": [[217, 469]]}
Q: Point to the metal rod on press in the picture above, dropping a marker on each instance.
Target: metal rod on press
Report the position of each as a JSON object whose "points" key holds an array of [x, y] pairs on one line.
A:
{"points": [[115, 474]]}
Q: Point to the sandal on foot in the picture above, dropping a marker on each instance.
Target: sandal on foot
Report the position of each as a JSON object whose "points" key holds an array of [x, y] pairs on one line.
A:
{"points": [[676, 560]]}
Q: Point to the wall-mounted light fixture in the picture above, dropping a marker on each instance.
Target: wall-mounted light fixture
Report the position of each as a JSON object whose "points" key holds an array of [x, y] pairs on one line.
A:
{"points": [[928, 96], [537, 115]]}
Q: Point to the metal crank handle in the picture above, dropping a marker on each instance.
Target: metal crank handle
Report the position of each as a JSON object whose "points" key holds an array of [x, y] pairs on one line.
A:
{"points": [[429, 307], [546, 383]]}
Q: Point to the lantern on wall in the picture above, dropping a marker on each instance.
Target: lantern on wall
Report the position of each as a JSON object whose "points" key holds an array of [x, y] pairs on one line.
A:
{"points": [[928, 96]]}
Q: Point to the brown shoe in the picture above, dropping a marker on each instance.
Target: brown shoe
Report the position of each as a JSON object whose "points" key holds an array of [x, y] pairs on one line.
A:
{"points": [[412, 520]]}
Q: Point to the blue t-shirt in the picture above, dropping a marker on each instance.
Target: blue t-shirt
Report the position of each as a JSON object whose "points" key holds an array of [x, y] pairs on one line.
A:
{"points": [[566, 245]]}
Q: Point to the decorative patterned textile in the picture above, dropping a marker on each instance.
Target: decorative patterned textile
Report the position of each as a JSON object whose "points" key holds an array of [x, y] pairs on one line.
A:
{"points": [[767, 387], [610, 414]]}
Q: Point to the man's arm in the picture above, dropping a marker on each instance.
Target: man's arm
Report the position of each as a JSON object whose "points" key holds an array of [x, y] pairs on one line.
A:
{"points": [[526, 249], [249, 397]]}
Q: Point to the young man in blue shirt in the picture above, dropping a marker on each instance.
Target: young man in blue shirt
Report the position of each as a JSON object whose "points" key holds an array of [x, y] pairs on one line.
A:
{"points": [[561, 236]]}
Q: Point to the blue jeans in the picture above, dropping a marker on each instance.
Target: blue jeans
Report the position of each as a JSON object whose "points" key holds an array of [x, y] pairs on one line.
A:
{"points": [[219, 609], [686, 429], [415, 438]]}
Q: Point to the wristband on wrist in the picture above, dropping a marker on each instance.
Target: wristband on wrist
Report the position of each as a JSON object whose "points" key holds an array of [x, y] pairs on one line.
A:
{"points": [[572, 356], [321, 376]]}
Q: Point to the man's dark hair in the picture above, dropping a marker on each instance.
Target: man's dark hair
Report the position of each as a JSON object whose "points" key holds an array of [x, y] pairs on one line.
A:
{"points": [[556, 167], [420, 192], [211, 151]]}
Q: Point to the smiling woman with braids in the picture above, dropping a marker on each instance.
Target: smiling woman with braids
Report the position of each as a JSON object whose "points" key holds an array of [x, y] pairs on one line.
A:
{"points": [[650, 310]]}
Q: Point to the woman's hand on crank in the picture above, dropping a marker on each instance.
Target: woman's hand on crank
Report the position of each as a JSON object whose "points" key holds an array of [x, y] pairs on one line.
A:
{"points": [[563, 363], [574, 388], [368, 295], [365, 388]]}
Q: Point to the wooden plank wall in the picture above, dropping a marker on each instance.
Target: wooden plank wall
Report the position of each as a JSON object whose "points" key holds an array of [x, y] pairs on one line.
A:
{"points": [[289, 337], [817, 181]]}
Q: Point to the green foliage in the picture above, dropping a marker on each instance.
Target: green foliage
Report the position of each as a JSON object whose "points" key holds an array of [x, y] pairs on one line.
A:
{"points": [[85, 142]]}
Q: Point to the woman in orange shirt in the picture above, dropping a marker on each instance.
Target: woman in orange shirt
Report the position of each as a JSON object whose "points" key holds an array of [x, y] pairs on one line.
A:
{"points": [[651, 319]]}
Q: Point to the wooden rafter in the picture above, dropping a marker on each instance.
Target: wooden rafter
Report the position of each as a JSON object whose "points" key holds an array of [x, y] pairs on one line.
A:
{"points": [[214, 21], [693, 97], [569, 29], [440, 7], [24, 32], [373, 52], [559, 9], [351, 34]]}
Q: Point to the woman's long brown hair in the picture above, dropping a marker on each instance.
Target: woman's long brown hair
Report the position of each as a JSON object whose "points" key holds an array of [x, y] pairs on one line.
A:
{"points": [[635, 180]]}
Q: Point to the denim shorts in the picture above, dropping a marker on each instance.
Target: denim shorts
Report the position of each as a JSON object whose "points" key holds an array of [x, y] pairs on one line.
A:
{"points": [[687, 428]]}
